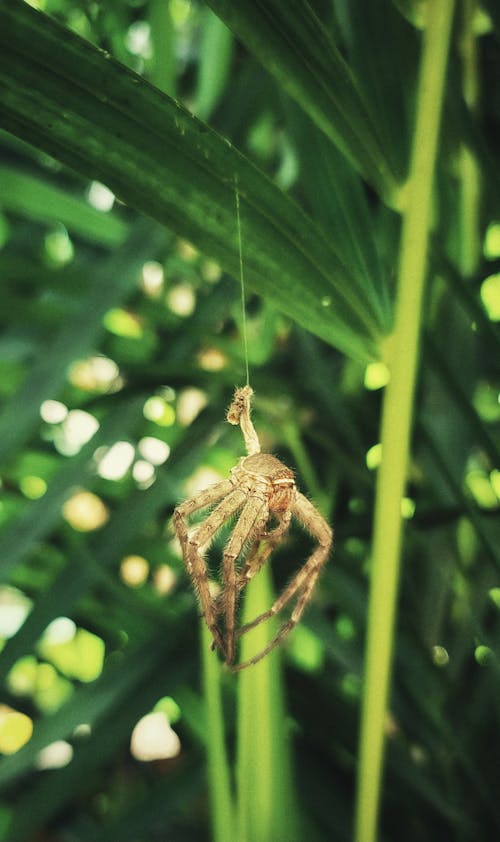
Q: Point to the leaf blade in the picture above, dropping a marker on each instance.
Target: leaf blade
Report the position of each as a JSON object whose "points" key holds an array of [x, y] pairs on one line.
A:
{"points": [[104, 121]]}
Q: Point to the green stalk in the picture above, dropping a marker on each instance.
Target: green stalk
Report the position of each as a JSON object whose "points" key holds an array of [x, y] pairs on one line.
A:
{"points": [[219, 779], [397, 416], [163, 63], [469, 171], [266, 801]]}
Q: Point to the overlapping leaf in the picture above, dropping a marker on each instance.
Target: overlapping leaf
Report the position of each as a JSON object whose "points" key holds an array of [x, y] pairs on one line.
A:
{"points": [[77, 104]]}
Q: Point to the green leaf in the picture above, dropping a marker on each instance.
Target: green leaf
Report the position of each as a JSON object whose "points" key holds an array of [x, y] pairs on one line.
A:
{"points": [[77, 104], [38, 517], [27, 195], [215, 62], [87, 566], [112, 280], [297, 49], [379, 39], [111, 706], [337, 197]]}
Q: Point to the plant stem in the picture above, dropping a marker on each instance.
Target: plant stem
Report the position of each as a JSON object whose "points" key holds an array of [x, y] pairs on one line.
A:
{"points": [[397, 416], [469, 171], [266, 799], [221, 806]]}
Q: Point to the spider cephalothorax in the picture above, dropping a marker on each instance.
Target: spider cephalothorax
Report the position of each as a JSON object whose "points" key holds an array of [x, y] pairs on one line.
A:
{"points": [[262, 491]]}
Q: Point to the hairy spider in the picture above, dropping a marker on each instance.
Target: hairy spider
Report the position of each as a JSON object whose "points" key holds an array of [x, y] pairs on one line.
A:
{"points": [[262, 491]]}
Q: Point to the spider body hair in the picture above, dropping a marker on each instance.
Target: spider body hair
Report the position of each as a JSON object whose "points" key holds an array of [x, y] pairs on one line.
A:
{"points": [[260, 492]]}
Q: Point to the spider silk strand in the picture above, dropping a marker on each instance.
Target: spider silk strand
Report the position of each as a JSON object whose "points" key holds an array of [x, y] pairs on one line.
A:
{"points": [[242, 279]]}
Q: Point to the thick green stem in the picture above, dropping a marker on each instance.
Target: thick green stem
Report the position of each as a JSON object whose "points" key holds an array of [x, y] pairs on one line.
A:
{"points": [[267, 805], [397, 415], [219, 782]]}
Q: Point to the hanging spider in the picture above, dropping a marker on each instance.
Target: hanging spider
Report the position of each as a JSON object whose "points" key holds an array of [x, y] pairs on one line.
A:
{"points": [[262, 491]]}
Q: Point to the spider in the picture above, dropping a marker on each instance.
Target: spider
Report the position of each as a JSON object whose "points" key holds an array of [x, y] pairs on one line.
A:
{"points": [[261, 490]]}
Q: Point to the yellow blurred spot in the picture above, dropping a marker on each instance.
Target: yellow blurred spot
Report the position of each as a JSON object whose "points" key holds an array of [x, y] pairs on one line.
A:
{"points": [[181, 299], [82, 730], [60, 630], [169, 707], [180, 11], [51, 690], [16, 730], [482, 24], [495, 482], [490, 296], [189, 404], [479, 485], [407, 508], [58, 247], [81, 657], [76, 430], [210, 271], [158, 410], [116, 460], [154, 450], [100, 197], [85, 511], [54, 756], [491, 246], [138, 39], [187, 251], [164, 579], [377, 375], [440, 656], [345, 627], [484, 655], [95, 374], [14, 608], [152, 278], [306, 649], [122, 323], [144, 473], [211, 359], [33, 487], [134, 570], [53, 412], [46, 675], [154, 739], [487, 402], [21, 679], [494, 595], [374, 456], [203, 477]]}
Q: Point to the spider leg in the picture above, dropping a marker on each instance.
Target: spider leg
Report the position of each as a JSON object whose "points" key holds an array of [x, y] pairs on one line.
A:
{"points": [[193, 558], [262, 549], [200, 501], [254, 516], [302, 583], [259, 552]]}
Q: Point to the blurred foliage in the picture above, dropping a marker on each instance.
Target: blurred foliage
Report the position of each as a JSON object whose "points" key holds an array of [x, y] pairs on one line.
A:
{"points": [[120, 348]]}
